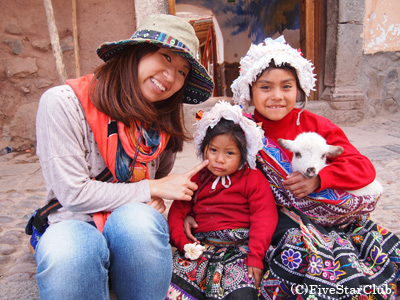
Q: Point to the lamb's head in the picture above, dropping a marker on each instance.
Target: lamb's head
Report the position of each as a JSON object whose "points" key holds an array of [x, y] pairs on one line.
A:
{"points": [[310, 151]]}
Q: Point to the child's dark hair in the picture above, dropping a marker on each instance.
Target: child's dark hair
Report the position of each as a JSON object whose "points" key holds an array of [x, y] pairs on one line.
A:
{"points": [[285, 66], [230, 128]]}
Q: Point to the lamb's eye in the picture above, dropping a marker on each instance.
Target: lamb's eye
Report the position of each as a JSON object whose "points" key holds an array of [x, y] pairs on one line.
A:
{"points": [[297, 154], [323, 156]]}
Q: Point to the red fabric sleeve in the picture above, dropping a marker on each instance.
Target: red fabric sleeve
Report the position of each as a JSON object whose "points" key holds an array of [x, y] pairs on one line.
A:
{"points": [[349, 171], [177, 213], [263, 218]]}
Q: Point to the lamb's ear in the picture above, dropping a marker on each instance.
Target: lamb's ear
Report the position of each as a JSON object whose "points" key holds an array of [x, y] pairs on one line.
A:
{"points": [[334, 151], [286, 144]]}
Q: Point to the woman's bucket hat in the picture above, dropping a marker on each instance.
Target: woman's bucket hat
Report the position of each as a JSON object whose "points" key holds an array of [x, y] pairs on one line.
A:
{"points": [[177, 35]]}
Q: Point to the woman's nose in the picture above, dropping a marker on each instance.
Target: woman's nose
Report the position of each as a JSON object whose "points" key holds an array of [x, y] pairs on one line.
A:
{"points": [[169, 74]]}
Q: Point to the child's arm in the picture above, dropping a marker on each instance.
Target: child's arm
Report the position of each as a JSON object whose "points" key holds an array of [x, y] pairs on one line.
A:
{"points": [[177, 213], [257, 273], [188, 224], [350, 170], [263, 218]]}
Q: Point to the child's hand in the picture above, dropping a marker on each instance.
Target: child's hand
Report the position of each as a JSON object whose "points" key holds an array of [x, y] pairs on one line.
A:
{"points": [[188, 224], [158, 204], [257, 273], [301, 186]]}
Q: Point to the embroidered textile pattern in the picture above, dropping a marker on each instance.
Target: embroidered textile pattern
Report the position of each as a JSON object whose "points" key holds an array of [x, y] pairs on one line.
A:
{"points": [[326, 241], [368, 270], [219, 271]]}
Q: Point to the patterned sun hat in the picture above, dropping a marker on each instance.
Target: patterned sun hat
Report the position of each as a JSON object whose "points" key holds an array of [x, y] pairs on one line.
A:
{"points": [[177, 35], [258, 59]]}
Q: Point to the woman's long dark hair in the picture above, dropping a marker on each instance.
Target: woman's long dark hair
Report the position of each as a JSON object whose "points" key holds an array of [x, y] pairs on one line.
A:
{"points": [[116, 93]]}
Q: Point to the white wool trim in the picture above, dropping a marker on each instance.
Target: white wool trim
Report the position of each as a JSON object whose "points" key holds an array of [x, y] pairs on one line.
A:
{"points": [[253, 133], [258, 59]]}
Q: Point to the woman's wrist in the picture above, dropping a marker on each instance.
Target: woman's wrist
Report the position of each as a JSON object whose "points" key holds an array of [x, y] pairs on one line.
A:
{"points": [[153, 186]]}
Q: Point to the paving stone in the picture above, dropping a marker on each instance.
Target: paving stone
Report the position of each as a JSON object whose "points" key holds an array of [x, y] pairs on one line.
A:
{"points": [[6, 249], [4, 219], [394, 148], [10, 240]]}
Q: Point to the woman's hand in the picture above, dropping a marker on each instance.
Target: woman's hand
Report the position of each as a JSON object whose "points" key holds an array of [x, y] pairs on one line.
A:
{"points": [[158, 204], [301, 186], [176, 187], [257, 273], [188, 224]]}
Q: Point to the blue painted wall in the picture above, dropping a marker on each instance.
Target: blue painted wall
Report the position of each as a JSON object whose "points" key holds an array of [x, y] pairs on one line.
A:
{"points": [[258, 18]]}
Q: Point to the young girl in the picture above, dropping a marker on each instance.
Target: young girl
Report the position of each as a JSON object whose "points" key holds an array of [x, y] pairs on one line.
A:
{"points": [[325, 247], [236, 219], [125, 118]]}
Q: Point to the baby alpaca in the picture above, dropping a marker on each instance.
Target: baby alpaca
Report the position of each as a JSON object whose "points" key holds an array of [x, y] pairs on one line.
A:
{"points": [[310, 151]]}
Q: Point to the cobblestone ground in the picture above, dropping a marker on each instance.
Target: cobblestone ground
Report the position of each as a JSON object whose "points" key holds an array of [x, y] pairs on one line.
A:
{"points": [[22, 190]]}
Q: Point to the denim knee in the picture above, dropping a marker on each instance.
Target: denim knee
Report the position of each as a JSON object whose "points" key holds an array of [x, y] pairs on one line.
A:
{"points": [[72, 260], [136, 218], [140, 262]]}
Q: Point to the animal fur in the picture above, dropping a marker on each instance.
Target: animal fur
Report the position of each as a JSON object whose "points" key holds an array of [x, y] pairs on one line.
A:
{"points": [[310, 151]]}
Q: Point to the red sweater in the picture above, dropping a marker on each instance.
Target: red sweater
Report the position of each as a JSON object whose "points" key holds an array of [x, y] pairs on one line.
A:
{"points": [[247, 203], [348, 171]]}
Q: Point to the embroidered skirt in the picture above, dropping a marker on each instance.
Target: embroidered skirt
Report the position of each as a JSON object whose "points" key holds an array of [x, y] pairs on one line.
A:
{"points": [[308, 261], [219, 273]]}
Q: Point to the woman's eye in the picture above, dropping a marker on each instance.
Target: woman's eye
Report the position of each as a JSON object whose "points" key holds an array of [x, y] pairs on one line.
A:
{"points": [[182, 73], [167, 57], [287, 86], [212, 150], [265, 87]]}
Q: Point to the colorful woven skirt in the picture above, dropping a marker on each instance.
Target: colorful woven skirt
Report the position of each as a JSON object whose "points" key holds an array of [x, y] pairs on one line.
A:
{"points": [[308, 261], [220, 273]]}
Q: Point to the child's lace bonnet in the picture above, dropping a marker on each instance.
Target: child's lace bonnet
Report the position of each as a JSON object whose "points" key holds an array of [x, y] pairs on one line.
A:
{"points": [[253, 133], [258, 59]]}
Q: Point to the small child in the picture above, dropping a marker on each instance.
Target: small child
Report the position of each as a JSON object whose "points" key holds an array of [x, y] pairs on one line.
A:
{"points": [[236, 218], [324, 237]]}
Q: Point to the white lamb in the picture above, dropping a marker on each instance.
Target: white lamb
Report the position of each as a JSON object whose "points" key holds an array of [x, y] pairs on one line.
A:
{"points": [[310, 151]]}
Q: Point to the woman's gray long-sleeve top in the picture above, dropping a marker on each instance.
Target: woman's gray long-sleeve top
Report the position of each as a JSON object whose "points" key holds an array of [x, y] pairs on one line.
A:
{"points": [[70, 158]]}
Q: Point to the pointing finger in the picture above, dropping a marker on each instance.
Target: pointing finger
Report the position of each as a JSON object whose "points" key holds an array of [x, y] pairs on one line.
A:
{"points": [[196, 169]]}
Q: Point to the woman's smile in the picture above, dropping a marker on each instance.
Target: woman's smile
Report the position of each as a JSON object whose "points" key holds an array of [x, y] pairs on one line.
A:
{"points": [[158, 84]]}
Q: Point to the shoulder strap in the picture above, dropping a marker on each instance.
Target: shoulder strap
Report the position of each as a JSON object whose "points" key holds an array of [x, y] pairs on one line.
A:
{"points": [[39, 218], [105, 175]]}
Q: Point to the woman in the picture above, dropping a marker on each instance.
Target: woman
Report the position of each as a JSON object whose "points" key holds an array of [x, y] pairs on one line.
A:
{"points": [[125, 118]]}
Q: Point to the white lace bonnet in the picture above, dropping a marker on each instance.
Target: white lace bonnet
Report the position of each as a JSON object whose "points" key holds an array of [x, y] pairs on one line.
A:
{"points": [[253, 133], [258, 59]]}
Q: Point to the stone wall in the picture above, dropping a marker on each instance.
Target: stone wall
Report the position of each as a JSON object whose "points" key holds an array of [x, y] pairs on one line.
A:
{"points": [[380, 80], [27, 64]]}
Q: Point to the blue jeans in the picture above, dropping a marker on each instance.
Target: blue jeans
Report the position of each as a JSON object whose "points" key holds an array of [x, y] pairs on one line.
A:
{"points": [[75, 261]]}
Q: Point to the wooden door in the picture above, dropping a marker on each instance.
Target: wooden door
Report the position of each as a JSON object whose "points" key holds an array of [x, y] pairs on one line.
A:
{"points": [[313, 38]]}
